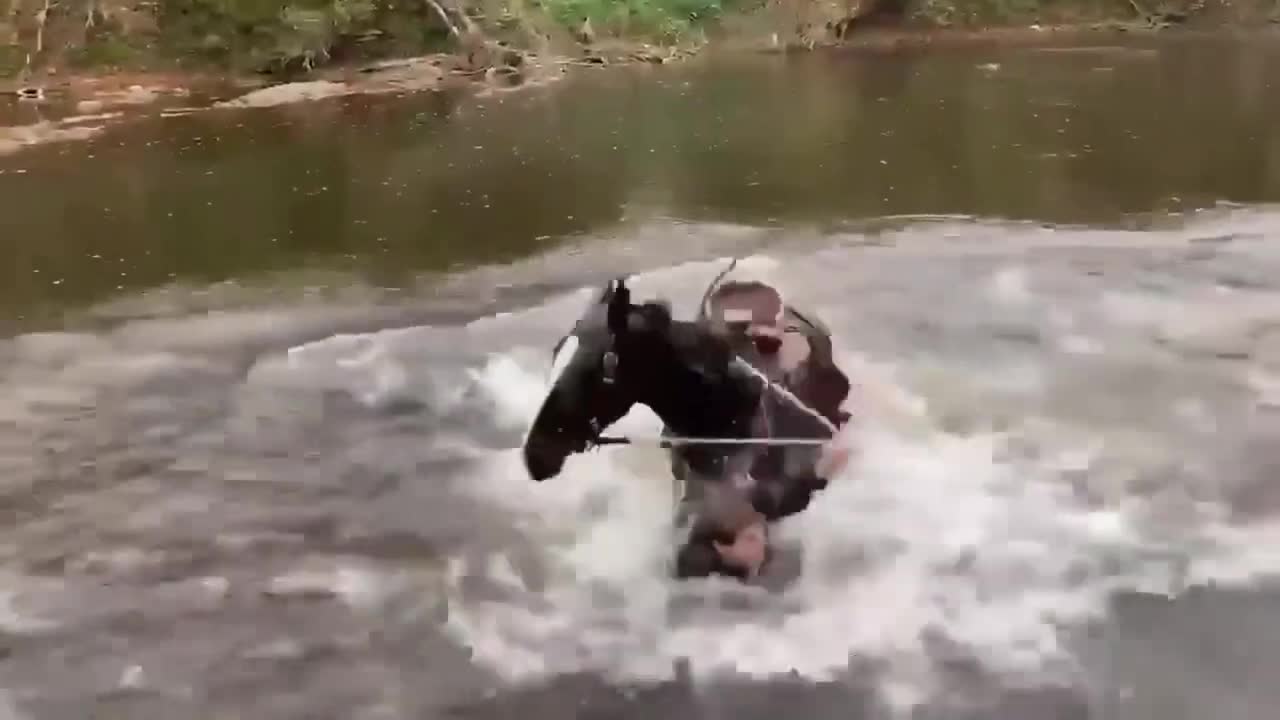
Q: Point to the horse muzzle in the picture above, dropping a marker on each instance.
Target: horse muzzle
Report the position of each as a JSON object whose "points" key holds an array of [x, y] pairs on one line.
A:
{"points": [[544, 457], [541, 463]]}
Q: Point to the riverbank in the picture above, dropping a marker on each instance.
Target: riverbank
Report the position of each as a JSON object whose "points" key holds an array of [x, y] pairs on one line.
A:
{"points": [[56, 106], [293, 39], [68, 107]]}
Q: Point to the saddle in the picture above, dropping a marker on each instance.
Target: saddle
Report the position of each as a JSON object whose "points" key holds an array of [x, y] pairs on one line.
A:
{"points": [[792, 348]]}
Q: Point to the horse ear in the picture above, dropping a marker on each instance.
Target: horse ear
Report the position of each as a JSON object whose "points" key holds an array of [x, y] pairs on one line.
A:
{"points": [[619, 307]]}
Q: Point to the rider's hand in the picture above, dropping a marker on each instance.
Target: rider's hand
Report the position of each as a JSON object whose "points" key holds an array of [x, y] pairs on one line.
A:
{"points": [[834, 458]]}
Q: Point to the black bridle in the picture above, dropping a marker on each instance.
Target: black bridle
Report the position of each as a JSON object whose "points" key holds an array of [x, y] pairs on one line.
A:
{"points": [[609, 373], [609, 370]]}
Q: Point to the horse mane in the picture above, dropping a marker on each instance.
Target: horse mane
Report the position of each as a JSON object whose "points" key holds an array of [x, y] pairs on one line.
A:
{"points": [[694, 341], [707, 393]]}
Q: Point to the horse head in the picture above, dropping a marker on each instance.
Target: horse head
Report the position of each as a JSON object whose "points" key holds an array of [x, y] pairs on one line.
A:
{"points": [[620, 354]]}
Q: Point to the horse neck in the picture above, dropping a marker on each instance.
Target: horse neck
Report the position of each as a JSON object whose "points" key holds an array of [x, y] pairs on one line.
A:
{"points": [[698, 405]]}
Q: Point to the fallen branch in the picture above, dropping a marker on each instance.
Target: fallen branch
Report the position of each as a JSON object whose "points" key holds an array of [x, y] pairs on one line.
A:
{"points": [[41, 17], [444, 16]]}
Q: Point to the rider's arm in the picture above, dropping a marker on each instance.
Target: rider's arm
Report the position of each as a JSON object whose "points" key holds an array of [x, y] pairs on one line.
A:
{"points": [[788, 493], [825, 388]]}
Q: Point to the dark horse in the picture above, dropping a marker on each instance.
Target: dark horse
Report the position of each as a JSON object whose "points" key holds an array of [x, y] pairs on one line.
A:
{"points": [[620, 354]]}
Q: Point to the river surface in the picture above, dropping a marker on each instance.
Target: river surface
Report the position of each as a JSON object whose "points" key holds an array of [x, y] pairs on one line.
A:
{"points": [[264, 371]]}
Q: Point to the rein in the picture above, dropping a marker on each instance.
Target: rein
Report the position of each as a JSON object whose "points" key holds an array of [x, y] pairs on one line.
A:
{"points": [[787, 395], [672, 441]]}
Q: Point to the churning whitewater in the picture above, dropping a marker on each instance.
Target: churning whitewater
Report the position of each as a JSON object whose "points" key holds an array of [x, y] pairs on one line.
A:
{"points": [[973, 532], [1045, 420]]}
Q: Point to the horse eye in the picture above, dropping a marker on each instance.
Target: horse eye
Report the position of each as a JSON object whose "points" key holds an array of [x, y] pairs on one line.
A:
{"points": [[610, 364]]}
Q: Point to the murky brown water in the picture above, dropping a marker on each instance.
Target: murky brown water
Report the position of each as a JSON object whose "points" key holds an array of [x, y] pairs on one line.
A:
{"points": [[264, 370], [392, 188]]}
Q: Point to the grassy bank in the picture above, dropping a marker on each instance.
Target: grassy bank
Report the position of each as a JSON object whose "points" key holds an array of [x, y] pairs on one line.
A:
{"points": [[286, 37]]}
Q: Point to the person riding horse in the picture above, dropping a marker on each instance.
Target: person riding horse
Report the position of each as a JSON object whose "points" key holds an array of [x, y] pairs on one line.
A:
{"points": [[728, 506], [750, 369]]}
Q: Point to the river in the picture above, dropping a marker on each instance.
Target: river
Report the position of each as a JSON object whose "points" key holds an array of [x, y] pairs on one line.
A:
{"points": [[264, 370]]}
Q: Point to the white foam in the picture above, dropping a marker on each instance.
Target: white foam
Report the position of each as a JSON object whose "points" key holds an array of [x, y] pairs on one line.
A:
{"points": [[358, 363], [926, 533], [1010, 285]]}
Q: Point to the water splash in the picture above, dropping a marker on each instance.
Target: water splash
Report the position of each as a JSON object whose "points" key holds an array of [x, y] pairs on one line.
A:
{"points": [[981, 543]]}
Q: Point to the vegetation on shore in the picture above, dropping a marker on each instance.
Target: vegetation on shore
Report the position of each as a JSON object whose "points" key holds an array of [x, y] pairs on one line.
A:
{"points": [[287, 36]]}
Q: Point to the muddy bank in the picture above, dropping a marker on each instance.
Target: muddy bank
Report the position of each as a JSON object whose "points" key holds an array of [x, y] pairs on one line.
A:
{"points": [[80, 107], [1067, 36], [69, 107]]}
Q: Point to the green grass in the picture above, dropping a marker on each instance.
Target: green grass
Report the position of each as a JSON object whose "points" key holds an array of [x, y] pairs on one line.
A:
{"points": [[12, 58], [285, 36], [967, 12], [661, 20], [110, 49], [263, 34]]}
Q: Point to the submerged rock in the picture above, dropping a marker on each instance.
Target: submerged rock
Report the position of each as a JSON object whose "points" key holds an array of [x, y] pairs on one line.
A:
{"points": [[423, 73], [504, 76], [289, 93], [135, 95], [13, 139]]}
